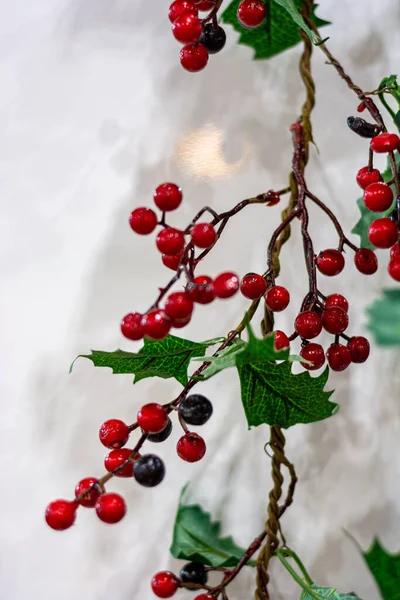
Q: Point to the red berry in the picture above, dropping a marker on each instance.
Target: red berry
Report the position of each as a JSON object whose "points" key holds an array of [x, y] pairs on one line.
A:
{"points": [[201, 289], [335, 320], [315, 354], [205, 5], [308, 324], [114, 433], [191, 447], [152, 418], [253, 286], [156, 324], [338, 357], [203, 235], [187, 29], [170, 241], [116, 458], [178, 306], [179, 323], [167, 196], [361, 107], [251, 13], [172, 261], [194, 57], [204, 597], [281, 340], [394, 268], [330, 262], [336, 300], [378, 197], [60, 514], [395, 250], [143, 220], [365, 177], [272, 198], [180, 8], [226, 285], [359, 349], [132, 326], [385, 142], [383, 233], [89, 500], [277, 298], [164, 584], [366, 261], [110, 508]]}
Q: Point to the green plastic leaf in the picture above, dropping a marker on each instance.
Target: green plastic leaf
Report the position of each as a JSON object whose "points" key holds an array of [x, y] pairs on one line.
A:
{"points": [[277, 34], [291, 8], [384, 318], [385, 568], [331, 593], [224, 359], [166, 358]]}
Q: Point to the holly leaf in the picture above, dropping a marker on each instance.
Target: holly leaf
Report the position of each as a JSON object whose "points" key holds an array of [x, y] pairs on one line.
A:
{"points": [[165, 358], [324, 592], [278, 33], [223, 360], [384, 318], [385, 568]]}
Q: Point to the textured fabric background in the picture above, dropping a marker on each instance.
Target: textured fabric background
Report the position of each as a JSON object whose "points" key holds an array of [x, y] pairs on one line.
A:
{"points": [[94, 112]]}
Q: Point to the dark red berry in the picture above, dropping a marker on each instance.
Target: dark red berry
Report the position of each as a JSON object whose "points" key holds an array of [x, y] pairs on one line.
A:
{"points": [[172, 261], [149, 470], [336, 300], [203, 235], [61, 514], [335, 320], [201, 289], [110, 508], [164, 584], [194, 57], [180, 323], [395, 250], [180, 8], [152, 418], [191, 447], [383, 233], [365, 177], [167, 196], [394, 268], [213, 38], [385, 142], [253, 286], [170, 241], [226, 285], [143, 220], [378, 197], [205, 5], [330, 262], [361, 107], [308, 324], [187, 29], [281, 340], [366, 261], [338, 357], [178, 305], [359, 349], [116, 458], [89, 500], [251, 13], [272, 198], [114, 433], [156, 324], [277, 298], [315, 354], [132, 326]]}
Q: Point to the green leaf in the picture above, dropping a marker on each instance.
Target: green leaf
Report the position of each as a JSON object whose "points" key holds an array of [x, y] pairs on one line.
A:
{"points": [[224, 359], [385, 568], [166, 358], [291, 8], [324, 592], [196, 538], [384, 318], [397, 119], [277, 34]]}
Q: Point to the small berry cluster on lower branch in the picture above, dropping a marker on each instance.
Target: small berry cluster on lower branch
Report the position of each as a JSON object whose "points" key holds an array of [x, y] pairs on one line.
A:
{"points": [[164, 584]]}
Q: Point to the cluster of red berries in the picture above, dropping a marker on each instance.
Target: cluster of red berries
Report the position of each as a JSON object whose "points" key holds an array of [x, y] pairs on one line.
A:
{"points": [[165, 583], [384, 232]]}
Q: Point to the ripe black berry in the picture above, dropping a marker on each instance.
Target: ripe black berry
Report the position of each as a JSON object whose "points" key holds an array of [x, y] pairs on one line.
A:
{"points": [[213, 38], [149, 470], [194, 572], [162, 435], [195, 409]]}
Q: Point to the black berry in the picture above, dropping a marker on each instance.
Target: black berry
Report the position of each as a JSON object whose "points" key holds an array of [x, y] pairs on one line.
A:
{"points": [[163, 435], [194, 572], [195, 409], [213, 38], [149, 470]]}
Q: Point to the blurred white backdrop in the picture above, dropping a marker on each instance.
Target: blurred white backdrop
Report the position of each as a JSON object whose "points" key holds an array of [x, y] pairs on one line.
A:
{"points": [[95, 111]]}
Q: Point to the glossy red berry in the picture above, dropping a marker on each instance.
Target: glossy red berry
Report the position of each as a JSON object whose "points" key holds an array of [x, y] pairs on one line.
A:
{"points": [[272, 198], [226, 285], [359, 349], [330, 262], [203, 235], [170, 241], [89, 500], [152, 418], [132, 326], [191, 447], [308, 324], [172, 261], [378, 197], [114, 433], [167, 196], [61, 514], [179, 323], [338, 357], [205, 5], [156, 324], [110, 508], [335, 320], [365, 177], [187, 29], [315, 354], [361, 107], [253, 286], [395, 250], [201, 289], [277, 298], [394, 268], [385, 142], [180, 8], [366, 261], [383, 233], [336, 300], [281, 340], [116, 458], [204, 597], [143, 220], [251, 13], [164, 584], [194, 57], [178, 305]]}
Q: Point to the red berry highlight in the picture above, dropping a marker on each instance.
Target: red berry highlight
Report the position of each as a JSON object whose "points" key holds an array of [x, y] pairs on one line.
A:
{"points": [[315, 354], [251, 13], [187, 29], [366, 261], [180, 8], [281, 340], [203, 235], [226, 285], [394, 268], [253, 286], [132, 326], [201, 289], [308, 324], [191, 447], [110, 508], [156, 324], [152, 418], [330, 262], [167, 196], [194, 57], [143, 220], [336, 300], [378, 197], [359, 349], [335, 320], [338, 357], [114, 433], [277, 298], [89, 500], [385, 142], [172, 261], [164, 584], [365, 177], [178, 305], [383, 233], [61, 514], [116, 458], [170, 241]]}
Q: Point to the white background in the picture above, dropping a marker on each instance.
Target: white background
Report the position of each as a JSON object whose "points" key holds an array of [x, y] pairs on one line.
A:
{"points": [[95, 111]]}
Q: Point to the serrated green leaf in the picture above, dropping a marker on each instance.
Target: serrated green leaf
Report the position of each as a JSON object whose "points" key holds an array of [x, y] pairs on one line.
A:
{"points": [[384, 318], [166, 358], [385, 568], [291, 8], [277, 34], [331, 593]]}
